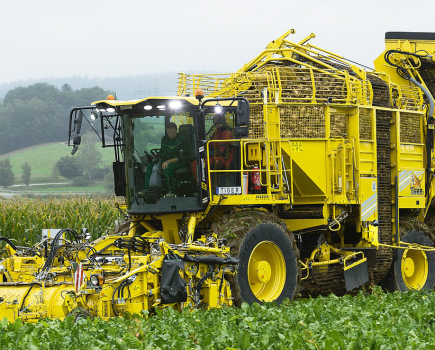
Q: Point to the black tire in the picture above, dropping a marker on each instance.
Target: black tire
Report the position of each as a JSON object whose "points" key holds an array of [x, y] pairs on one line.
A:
{"points": [[271, 235], [398, 282], [239, 227]]}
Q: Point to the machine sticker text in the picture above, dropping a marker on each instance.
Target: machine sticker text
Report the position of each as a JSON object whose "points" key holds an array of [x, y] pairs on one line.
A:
{"points": [[296, 146]]}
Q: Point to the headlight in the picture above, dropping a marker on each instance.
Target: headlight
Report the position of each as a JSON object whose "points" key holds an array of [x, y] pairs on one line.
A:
{"points": [[175, 104], [97, 280]]}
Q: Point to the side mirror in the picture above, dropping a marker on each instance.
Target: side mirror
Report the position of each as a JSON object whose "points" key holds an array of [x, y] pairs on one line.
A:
{"points": [[76, 142], [242, 118], [240, 131], [78, 121]]}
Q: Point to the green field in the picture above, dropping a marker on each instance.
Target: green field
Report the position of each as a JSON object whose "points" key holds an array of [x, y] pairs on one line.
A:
{"points": [[42, 158], [367, 321], [71, 189]]}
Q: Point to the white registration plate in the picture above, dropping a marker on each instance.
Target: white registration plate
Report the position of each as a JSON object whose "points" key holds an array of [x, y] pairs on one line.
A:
{"points": [[228, 190]]}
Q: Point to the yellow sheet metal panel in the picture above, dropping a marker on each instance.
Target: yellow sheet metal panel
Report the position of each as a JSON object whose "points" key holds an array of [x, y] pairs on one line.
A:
{"points": [[411, 202], [367, 157], [254, 152], [309, 167], [369, 199], [301, 224]]}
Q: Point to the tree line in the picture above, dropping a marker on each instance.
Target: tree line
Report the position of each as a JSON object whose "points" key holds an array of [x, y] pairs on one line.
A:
{"points": [[39, 113]]}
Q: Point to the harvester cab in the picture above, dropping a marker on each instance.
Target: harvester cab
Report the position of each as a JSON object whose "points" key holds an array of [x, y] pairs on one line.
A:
{"points": [[161, 146]]}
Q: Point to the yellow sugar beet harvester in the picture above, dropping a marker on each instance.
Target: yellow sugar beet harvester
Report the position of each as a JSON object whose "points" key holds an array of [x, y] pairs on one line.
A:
{"points": [[296, 175]]}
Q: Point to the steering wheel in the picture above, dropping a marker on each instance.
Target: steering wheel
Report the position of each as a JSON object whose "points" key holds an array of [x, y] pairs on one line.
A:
{"points": [[155, 152], [137, 157]]}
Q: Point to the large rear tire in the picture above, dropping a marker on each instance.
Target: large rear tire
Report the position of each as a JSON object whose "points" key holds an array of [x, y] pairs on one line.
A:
{"points": [[268, 258], [414, 269]]}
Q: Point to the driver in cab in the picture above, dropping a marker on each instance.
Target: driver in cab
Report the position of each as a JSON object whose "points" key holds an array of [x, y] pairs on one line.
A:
{"points": [[171, 145]]}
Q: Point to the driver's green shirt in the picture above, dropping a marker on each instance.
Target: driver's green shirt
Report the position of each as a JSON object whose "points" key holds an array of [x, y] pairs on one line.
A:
{"points": [[170, 147]]}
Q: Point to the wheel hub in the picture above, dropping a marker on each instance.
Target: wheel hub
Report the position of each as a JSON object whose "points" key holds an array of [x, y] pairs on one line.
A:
{"points": [[414, 268], [409, 267], [264, 271]]}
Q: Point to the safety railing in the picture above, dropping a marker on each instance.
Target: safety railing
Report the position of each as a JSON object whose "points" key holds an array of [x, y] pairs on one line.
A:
{"points": [[302, 85], [407, 97], [237, 179]]}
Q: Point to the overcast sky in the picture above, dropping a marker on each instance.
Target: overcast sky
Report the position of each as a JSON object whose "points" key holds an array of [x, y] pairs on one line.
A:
{"points": [[53, 38]]}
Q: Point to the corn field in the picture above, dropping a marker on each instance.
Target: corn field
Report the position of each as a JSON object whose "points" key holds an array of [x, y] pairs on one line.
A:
{"points": [[22, 219]]}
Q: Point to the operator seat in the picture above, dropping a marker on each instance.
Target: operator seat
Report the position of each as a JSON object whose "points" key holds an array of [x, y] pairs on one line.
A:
{"points": [[184, 174]]}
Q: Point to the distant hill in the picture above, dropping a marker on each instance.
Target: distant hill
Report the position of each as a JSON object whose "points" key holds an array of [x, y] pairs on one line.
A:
{"points": [[126, 87], [37, 111], [43, 157]]}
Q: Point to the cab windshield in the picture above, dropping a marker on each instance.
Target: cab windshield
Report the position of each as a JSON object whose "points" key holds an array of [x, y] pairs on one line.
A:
{"points": [[160, 155]]}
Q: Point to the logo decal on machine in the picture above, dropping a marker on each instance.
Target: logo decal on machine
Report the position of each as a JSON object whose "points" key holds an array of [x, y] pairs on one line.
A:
{"points": [[202, 170], [412, 180]]}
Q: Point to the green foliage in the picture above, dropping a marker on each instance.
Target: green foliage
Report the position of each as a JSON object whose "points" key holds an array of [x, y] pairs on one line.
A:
{"points": [[39, 113], [376, 321], [81, 181], [109, 182], [55, 174], [88, 155], [70, 167], [27, 172], [66, 87], [23, 219], [6, 176], [85, 165]]}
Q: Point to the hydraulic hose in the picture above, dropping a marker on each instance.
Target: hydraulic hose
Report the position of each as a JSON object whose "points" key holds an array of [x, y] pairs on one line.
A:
{"points": [[8, 241], [430, 132]]}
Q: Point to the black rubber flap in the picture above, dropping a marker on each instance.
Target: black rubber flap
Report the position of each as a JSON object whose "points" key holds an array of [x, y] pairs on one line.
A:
{"points": [[356, 276], [173, 286], [410, 35]]}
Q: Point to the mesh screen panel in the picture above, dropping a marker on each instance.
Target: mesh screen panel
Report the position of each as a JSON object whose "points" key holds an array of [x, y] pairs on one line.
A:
{"points": [[302, 121], [256, 122], [339, 125], [410, 125], [365, 125]]}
